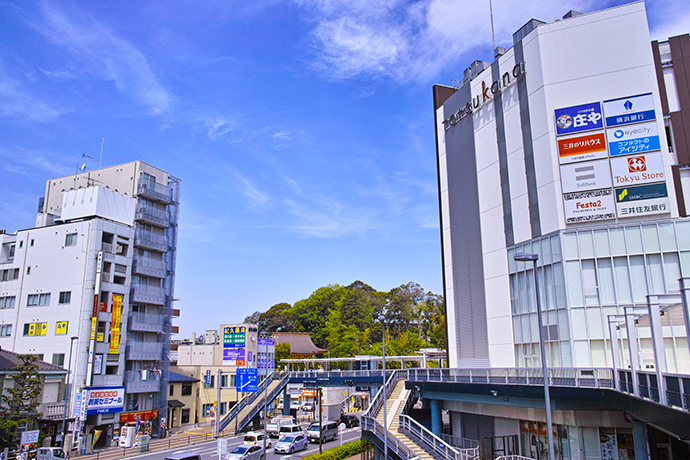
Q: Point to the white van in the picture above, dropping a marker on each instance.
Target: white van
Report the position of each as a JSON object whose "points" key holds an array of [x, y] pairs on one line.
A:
{"points": [[49, 453], [329, 431]]}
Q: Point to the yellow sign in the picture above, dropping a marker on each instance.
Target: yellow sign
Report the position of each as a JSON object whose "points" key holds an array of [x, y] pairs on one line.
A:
{"points": [[115, 324], [99, 337], [61, 328], [114, 342], [93, 328], [41, 328], [32, 329]]}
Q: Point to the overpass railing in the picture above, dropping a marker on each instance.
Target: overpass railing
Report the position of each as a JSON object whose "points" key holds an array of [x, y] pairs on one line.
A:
{"points": [[251, 397], [394, 444]]}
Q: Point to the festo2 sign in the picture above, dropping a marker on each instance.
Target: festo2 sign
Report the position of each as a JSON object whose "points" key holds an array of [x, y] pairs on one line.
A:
{"points": [[637, 169]]}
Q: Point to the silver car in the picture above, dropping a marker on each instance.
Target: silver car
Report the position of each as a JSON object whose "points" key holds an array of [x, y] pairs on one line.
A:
{"points": [[291, 443], [245, 452]]}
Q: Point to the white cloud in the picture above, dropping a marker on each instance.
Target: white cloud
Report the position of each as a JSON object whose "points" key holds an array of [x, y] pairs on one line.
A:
{"points": [[217, 128], [105, 55], [17, 101]]}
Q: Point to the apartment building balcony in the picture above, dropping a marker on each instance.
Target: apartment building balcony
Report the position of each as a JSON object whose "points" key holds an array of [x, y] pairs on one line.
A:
{"points": [[144, 351], [142, 382], [145, 322], [150, 267], [151, 241], [52, 410], [154, 191], [152, 216], [142, 293]]}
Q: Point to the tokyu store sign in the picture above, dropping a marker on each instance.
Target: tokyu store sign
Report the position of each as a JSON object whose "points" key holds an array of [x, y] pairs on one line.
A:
{"points": [[638, 169]]}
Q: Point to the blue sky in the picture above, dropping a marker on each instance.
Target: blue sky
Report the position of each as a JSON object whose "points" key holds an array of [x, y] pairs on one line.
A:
{"points": [[302, 130]]}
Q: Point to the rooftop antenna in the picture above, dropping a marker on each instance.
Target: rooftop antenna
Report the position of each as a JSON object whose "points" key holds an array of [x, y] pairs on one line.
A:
{"points": [[100, 160], [493, 37]]}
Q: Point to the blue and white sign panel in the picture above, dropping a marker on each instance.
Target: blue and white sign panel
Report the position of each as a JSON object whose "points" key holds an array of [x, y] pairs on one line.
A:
{"points": [[207, 381], [633, 109], [642, 200], [247, 380], [584, 117], [627, 140], [104, 400]]}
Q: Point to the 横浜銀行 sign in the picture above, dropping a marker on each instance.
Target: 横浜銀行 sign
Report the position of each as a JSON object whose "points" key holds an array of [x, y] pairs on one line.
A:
{"points": [[633, 109]]}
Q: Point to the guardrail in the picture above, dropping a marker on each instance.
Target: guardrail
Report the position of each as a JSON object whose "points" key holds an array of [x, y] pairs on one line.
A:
{"points": [[426, 438], [394, 444]]}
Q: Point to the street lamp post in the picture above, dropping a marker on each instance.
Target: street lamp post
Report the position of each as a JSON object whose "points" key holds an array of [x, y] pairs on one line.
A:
{"points": [[383, 388], [526, 257], [66, 398]]}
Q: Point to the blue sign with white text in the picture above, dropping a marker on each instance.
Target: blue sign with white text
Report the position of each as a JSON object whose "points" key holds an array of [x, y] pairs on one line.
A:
{"points": [[583, 117], [632, 109], [247, 380], [208, 377]]}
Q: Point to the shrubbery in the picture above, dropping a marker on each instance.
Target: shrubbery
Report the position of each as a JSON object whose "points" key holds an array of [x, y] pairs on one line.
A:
{"points": [[338, 453]]}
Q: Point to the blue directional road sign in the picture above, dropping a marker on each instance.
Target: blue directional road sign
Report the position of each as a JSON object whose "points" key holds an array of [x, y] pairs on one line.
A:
{"points": [[247, 380]]}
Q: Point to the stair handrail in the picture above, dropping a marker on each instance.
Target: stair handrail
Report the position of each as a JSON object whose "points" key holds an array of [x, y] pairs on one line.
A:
{"points": [[394, 444], [249, 398], [244, 420], [377, 401]]}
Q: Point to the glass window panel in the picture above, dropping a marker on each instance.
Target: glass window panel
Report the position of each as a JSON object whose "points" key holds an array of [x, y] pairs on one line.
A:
{"points": [[566, 357], [670, 352], [546, 250], [549, 290], [519, 356], [606, 286], [589, 278], [556, 248], [512, 266], [515, 305], [620, 270], [656, 274], [685, 263], [570, 240], [526, 336], [667, 236], [634, 239], [672, 272], [542, 288], [651, 239], [555, 354], [531, 298], [586, 244], [601, 243], [639, 279], [517, 330], [683, 355], [596, 330], [522, 292], [534, 329], [575, 294], [617, 236], [598, 353], [582, 358], [683, 233], [579, 323], [559, 281], [563, 331]]}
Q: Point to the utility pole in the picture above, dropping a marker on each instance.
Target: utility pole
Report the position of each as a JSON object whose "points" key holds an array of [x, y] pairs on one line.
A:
{"points": [[319, 390]]}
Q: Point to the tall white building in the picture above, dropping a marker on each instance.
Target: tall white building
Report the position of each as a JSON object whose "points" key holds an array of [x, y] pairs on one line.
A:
{"points": [[99, 266]]}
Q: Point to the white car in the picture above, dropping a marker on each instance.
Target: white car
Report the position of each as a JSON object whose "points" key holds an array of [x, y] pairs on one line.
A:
{"points": [[256, 439], [295, 405], [245, 452], [291, 443]]}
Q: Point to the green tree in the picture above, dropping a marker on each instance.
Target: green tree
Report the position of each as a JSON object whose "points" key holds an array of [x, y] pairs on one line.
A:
{"points": [[282, 352], [18, 404]]}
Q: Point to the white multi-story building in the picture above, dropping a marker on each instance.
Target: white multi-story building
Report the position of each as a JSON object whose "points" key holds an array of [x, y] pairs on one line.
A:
{"points": [[99, 266]]}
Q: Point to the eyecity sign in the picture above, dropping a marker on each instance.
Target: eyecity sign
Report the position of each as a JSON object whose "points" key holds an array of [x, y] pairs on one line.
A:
{"points": [[488, 91]]}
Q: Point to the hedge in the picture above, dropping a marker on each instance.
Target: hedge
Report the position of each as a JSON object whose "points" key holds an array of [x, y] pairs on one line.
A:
{"points": [[338, 453]]}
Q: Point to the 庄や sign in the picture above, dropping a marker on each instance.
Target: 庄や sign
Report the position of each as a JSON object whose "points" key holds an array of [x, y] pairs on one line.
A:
{"points": [[578, 118]]}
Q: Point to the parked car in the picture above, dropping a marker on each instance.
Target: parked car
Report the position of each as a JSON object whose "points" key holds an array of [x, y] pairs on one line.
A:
{"points": [[273, 427], [49, 453], [295, 405], [184, 456], [244, 452], [289, 429], [256, 439], [329, 431], [290, 444], [308, 407], [349, 420]]}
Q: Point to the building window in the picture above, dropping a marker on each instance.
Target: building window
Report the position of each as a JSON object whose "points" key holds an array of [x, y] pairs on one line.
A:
{"points": [[35, 328], [15, 274], [186, 389], [38, 300], [131, 402], [59, 359], [32, 243], [185, 416], [206, 410], [5, 330], [223, 381], [12, 251], [7, 302], [61, 328], [210, 385], [71, 239], [223, 408], [172, 390], [65, 297]]}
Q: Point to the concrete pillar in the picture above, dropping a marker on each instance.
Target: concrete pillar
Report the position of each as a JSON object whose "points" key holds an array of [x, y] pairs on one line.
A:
{"points": [[632, 348], [436, 420], [658, 344], [613, 335], [286, 403], [640, 441]]}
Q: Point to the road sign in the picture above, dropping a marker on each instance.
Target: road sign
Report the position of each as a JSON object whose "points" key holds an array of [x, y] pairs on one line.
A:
{"points": [[247, 380], [29, 437]]}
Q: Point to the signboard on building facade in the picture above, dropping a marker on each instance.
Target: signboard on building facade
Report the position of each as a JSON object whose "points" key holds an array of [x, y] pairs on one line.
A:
{"points": [[104, 400], [115, 324], [631, 109], [234, 336], [639, 138], [589, 206], [232, 355], [585, 117], [586, 175], [638, 169], [582, 148], [247, 380], [642, 200]]}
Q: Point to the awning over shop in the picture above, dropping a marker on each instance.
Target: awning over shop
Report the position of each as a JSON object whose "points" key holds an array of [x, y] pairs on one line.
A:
{"points": [[175, 403]]}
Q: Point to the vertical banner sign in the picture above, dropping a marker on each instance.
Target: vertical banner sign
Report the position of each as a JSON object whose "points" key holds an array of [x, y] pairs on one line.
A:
{"points": [[94, 317], [208, 377], [115, 324]]}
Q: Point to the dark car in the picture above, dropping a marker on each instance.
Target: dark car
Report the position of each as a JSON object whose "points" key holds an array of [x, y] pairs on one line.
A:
{"points": [[349, 420]]}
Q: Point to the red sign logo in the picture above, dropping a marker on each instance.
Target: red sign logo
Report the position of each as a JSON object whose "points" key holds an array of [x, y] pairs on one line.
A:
{"points": [[637, 164]]}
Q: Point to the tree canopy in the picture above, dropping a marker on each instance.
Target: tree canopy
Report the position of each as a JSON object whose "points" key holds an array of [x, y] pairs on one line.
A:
{"points": [[343, 319]]}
